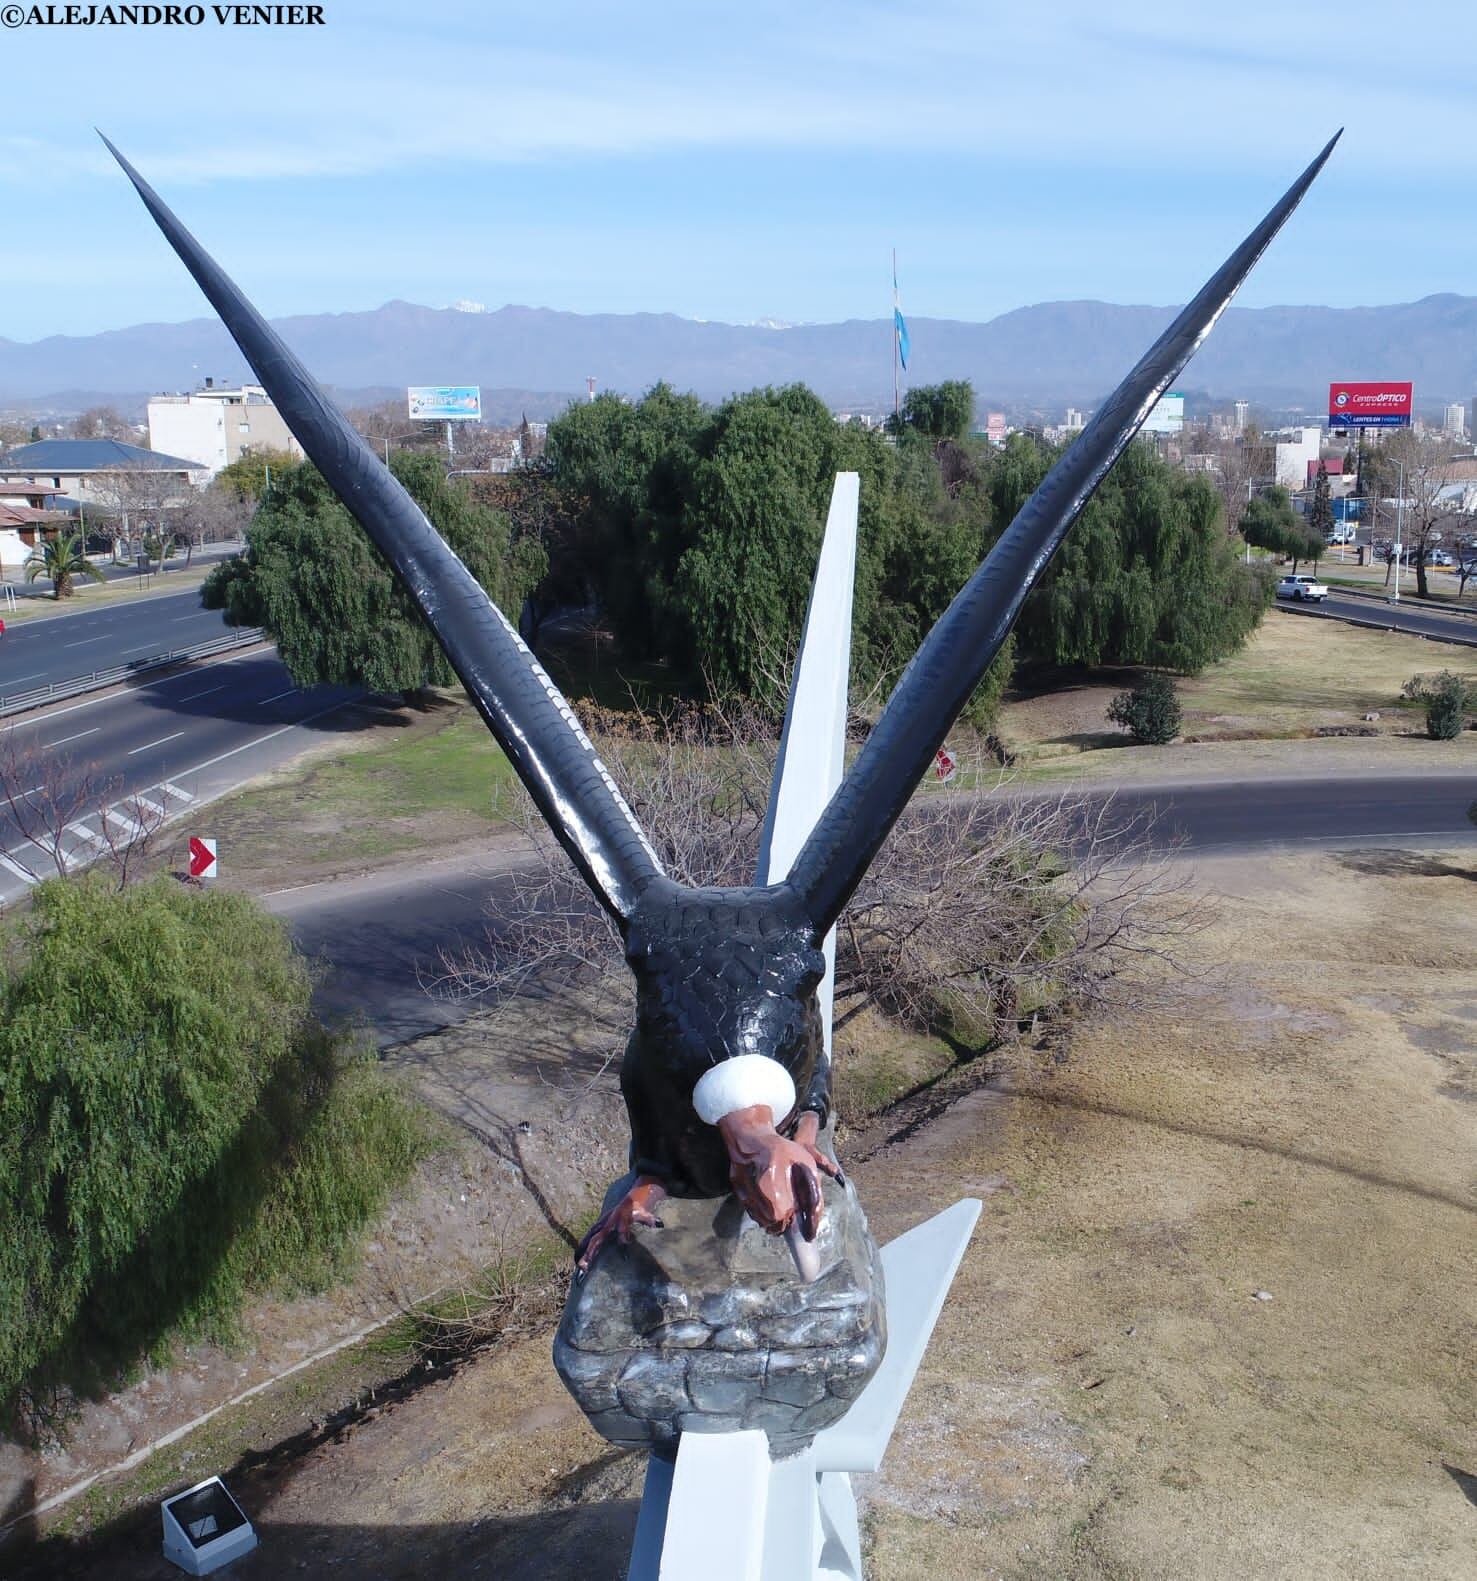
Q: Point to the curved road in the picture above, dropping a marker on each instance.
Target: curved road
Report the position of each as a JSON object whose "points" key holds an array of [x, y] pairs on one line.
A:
{"points": [[381, 938]]}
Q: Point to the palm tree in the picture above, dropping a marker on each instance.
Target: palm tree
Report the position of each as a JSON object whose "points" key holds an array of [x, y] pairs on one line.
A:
{"points": [[61, 558]]}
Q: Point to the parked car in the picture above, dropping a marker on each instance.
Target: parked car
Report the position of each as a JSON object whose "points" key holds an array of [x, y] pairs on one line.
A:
{"points": [[1340, 534], [1306, 589], [1439, 557]]}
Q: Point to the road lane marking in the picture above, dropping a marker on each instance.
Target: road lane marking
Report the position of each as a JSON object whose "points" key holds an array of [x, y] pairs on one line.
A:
{"points": [[35, 675], [277, 698], [142, 647], [44, 717], [174, 790], [151, 807], [82, 832], [134, 752], [84, 643], [191, 696], [112, 815], [271, 735], [50, 744]]}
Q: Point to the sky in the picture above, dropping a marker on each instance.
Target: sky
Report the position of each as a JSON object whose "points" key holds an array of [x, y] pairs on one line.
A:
{"points": [[737, 162]]}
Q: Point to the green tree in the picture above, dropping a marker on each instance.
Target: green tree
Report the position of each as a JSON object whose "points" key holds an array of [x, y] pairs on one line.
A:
{"points": [[939, 411], [175, 1129], [1150, 712], [1320, 518], [1446, 706], [1146, 576], [61, 559], [632, 466], [247, 477], [1270, 522], [338, 614]]}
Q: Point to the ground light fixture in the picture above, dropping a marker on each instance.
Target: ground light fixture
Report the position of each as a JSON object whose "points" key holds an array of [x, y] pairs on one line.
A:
{"points": [[204, 1528]]}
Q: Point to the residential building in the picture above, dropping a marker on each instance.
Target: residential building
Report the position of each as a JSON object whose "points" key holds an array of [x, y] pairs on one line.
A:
{"points": [[1455, 421], [26, 510], [102, 472], [216, 425]]}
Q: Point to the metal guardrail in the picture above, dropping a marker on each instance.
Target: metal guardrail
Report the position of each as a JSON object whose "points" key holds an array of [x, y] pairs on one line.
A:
{"points": [[38, 697]]}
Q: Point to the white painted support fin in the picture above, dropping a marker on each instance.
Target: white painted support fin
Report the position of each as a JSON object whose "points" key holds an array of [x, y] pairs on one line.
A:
{"points": [[918, 1267], [812, 755], [651, 1520], [717, 1508]]}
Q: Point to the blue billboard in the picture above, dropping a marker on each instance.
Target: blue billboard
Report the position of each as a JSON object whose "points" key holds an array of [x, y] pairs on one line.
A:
{"points": [[446, 403]]}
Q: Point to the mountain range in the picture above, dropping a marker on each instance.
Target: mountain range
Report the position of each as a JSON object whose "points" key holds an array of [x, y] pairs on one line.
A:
{"points": [[1033, 358]]}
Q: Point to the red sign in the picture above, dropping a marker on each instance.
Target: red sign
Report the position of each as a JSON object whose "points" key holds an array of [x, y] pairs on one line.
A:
{"points": [[1369, 405], [202, 857], [945, 766]]}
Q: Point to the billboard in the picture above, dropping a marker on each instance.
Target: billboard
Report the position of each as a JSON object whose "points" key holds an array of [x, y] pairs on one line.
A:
{"points": [[446, 403], [1369, 405], [1167, 416]]}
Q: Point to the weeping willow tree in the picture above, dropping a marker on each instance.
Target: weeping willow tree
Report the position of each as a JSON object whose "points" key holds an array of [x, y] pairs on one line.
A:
{"points": [[1147, 576], [313, 580]]}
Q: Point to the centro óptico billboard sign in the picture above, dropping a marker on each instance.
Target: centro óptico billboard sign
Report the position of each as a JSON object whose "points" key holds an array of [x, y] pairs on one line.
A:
{"points": [[1369, 405]]}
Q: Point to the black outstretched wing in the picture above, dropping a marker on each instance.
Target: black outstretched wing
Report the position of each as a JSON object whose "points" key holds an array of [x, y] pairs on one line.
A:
{"points": [[956, 653], [523, 708]]}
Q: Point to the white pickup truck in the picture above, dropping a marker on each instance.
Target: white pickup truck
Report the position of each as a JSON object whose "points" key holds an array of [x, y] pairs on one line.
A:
{"points": [[1304, 588]]}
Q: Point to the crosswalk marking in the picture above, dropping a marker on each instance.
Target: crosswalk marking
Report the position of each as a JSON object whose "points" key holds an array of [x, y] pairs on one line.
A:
{"points": [[175, 791], [24, 874]]}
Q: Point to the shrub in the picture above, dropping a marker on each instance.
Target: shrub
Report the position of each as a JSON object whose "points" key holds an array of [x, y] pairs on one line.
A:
{"points": [[1446, 706], [1150, 712], [176, 1130]]}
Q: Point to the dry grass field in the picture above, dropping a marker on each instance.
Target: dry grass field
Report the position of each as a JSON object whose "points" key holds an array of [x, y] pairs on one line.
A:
{"points": [[1218, 1318], [1296, 675]]}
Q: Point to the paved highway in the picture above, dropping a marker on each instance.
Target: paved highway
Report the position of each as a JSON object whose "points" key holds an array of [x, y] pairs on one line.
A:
{"points": [[1414, 618], [41, 652], [381, 938], [187, 736]]}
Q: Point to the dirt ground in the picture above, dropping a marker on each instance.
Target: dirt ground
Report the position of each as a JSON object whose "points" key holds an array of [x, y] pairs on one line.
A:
{"points": [[1218, 1319]]}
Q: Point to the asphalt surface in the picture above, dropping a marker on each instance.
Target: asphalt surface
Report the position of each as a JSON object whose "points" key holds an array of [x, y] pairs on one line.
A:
{"points": [[36, 653], [185, 737], [382, 940], [194, 734], [1404, 616]]}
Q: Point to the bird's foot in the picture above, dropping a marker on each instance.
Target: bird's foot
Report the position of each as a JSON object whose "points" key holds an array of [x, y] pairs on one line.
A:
{"points": [[806, 1131], [634, 1208]]}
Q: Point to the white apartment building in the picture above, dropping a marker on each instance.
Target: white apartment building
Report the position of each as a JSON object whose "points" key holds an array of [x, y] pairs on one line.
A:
{"points": [[216, 426]]}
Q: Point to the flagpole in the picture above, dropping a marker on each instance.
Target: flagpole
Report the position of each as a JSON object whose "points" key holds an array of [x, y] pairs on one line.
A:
{"points": [[896, 409]]}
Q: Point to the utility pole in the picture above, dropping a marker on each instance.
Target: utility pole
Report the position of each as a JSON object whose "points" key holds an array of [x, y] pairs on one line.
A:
{"points": [[1399, 525]]}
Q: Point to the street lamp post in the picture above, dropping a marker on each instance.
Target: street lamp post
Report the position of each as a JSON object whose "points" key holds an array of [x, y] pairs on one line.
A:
{"points": [[1399, 526]]}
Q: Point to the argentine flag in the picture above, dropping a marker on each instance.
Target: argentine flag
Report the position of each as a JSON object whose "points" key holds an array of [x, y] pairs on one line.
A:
{"points": [[900, 328]]}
